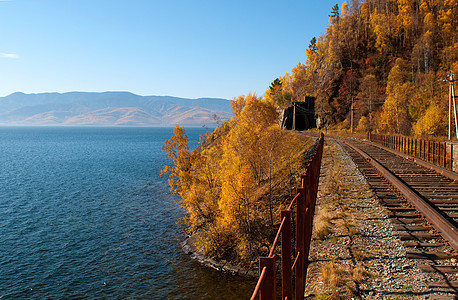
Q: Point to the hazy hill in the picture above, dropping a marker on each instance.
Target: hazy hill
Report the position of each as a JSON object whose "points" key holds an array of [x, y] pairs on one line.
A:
{"points": [[109, 108]]}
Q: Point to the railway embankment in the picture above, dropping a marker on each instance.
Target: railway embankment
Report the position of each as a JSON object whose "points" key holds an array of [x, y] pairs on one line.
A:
{"points": [[356, 251]]}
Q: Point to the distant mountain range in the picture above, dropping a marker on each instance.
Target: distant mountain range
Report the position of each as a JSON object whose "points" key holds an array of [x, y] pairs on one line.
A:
{"points": [[110, 108]]}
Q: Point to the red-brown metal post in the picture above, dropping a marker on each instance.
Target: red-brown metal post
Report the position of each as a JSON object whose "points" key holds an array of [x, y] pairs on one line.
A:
{"points": [[444, 153], [309, 191], [436, 152], [433, 151], [441, 154], [438, 146], [268, 287], [300, 223], [421, 148], [411, 146], [429, 151], [451, 156], [425, 150], [435, 155], [287, 276]]}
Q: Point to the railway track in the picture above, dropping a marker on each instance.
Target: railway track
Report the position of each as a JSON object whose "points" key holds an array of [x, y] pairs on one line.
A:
{"points": [[423, 208]]}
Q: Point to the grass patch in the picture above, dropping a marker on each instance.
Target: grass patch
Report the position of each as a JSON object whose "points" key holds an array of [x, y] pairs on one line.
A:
{"points": [[322, 223]]}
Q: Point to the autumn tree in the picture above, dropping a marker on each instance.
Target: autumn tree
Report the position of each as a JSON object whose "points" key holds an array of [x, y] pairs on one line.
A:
{"points": [[229, 187], [368, 96], [395, 117], [362, 43], [278, 93], [431, 123]]}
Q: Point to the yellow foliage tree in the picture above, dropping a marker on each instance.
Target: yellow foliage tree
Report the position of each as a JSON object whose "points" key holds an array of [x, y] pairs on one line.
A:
{"points": [[395, 116], [363, 125], [178, 154], [431, 123], [193, 176], [368, 95], [227, 186]]}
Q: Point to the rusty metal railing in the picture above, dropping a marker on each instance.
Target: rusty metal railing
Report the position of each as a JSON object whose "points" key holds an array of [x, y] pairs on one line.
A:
{"points": [[305, 201], [438, 153]]}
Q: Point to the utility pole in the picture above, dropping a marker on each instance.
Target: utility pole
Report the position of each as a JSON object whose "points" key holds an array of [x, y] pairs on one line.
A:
{"points": [[294, 116], [451, 100], [351, 116]]}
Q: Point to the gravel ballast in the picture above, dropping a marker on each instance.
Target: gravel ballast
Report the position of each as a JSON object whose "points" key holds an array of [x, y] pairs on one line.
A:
{"points": [[359, 255]]}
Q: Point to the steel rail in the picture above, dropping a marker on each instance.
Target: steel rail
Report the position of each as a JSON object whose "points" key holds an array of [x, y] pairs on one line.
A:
{"points": [[447, 173], [446, 229]]}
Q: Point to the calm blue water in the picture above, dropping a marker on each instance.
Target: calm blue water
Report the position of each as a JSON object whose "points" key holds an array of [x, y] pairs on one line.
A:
{"points": [[85, 214]]}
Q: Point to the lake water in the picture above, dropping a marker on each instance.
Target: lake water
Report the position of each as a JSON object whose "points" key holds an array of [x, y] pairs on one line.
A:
{"points": [[85, 214]]}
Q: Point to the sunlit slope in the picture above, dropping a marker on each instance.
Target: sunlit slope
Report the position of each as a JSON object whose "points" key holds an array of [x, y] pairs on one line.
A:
{"points": [[110, 108]]}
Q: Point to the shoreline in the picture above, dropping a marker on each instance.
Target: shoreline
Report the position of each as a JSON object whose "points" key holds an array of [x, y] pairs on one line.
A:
{"points": [[188, 248]]}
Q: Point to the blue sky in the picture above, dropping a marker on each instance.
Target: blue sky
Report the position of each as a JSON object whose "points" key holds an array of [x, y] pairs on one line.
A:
{"points": [[184, 48]]}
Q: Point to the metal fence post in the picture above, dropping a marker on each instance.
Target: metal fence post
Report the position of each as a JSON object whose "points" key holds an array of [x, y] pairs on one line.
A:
{"points": [[309, 191], [300, 223], [452, 158], [268, 287], [429, 151], [422, 149], [287, 276]]}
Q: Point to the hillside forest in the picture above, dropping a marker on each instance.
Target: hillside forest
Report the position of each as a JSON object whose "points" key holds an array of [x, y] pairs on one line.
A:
{"points": [[388, 57], [233, 185]]}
